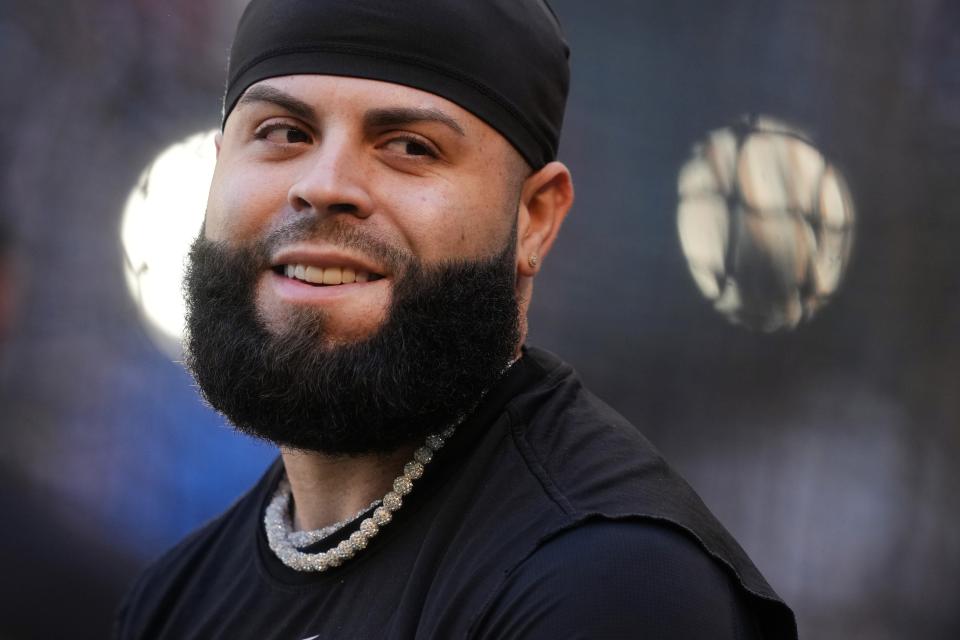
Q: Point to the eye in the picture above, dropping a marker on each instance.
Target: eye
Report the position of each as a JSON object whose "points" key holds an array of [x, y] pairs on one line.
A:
{"points": [[411, 146], [282, 133]]}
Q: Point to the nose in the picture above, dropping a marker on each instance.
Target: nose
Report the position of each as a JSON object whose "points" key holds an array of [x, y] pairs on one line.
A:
{"points": [[333, 180]]}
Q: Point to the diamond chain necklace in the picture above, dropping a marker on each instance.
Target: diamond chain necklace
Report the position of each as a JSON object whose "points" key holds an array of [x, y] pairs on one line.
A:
{"points": [[286, 543]]}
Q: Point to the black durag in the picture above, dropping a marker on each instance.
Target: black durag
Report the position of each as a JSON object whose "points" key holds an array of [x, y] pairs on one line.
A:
{"points": [[505, 61]]}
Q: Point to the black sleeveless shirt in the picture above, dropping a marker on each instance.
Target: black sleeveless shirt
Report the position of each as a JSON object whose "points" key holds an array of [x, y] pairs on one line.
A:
{"points": [[546, 516]]}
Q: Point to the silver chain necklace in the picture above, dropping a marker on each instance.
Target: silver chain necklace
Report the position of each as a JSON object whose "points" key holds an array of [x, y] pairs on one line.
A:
{"points": [[286, 543]]}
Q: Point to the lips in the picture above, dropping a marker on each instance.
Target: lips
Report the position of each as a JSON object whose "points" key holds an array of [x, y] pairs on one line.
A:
{"points": [[351, 288], [324, 267], [325, 276]]}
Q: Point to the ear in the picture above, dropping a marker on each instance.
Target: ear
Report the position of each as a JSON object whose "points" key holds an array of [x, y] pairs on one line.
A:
{"points": [[545, 199], [217, 141]]}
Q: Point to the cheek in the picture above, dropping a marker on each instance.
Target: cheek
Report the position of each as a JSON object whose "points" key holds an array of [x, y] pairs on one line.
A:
{"points": [[451, 222], [241, 203]]}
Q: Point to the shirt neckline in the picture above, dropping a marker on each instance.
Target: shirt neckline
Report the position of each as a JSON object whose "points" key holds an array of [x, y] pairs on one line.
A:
{"points": [[521, 375]]}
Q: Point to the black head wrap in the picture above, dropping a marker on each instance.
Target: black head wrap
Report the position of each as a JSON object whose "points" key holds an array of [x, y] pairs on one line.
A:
{"points": [[505, 61]]}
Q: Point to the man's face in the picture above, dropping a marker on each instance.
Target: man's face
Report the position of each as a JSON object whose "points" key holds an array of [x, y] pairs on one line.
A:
{"points": [[400, 172], [356, 287]]}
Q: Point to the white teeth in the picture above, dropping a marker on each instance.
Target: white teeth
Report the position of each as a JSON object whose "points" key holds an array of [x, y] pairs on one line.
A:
{"points": [[328, 276], [313, 274], [332, 275]]}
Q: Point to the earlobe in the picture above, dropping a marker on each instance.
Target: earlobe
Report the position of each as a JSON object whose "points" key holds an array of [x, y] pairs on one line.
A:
{"points": [[546, 197], [217, 141]]}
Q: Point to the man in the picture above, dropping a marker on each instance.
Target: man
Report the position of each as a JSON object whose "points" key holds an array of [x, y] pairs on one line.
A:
{"points": [[386, 191]]}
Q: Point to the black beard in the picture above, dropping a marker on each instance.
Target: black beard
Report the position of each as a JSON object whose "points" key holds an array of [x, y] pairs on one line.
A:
{"points": [[449, 333]]}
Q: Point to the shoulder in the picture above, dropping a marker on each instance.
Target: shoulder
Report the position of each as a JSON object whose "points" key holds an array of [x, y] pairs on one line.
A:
{"points": [[598, 468], [150, 593], [199, 559], [589, 458], [607, 578]]}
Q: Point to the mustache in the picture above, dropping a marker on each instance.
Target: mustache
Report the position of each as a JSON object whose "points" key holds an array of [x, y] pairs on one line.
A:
{"points": [[332, 230]]}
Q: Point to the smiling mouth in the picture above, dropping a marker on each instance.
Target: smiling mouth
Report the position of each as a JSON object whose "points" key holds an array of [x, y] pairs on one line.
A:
{"points": [[324, 276]]}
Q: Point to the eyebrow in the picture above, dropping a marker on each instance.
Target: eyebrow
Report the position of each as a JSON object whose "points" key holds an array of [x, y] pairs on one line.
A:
{"points": [[401, 116], [266, 93], [375, 118]]}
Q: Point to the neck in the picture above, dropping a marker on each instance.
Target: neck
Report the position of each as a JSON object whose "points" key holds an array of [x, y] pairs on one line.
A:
{"points": [[328, 489]]}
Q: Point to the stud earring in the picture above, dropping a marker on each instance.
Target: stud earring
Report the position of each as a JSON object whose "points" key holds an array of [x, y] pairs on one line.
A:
{"points": [[533, 261]]}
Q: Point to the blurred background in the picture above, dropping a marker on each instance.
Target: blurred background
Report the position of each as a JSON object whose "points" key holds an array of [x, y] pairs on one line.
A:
{"points": [[760, 272]]}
